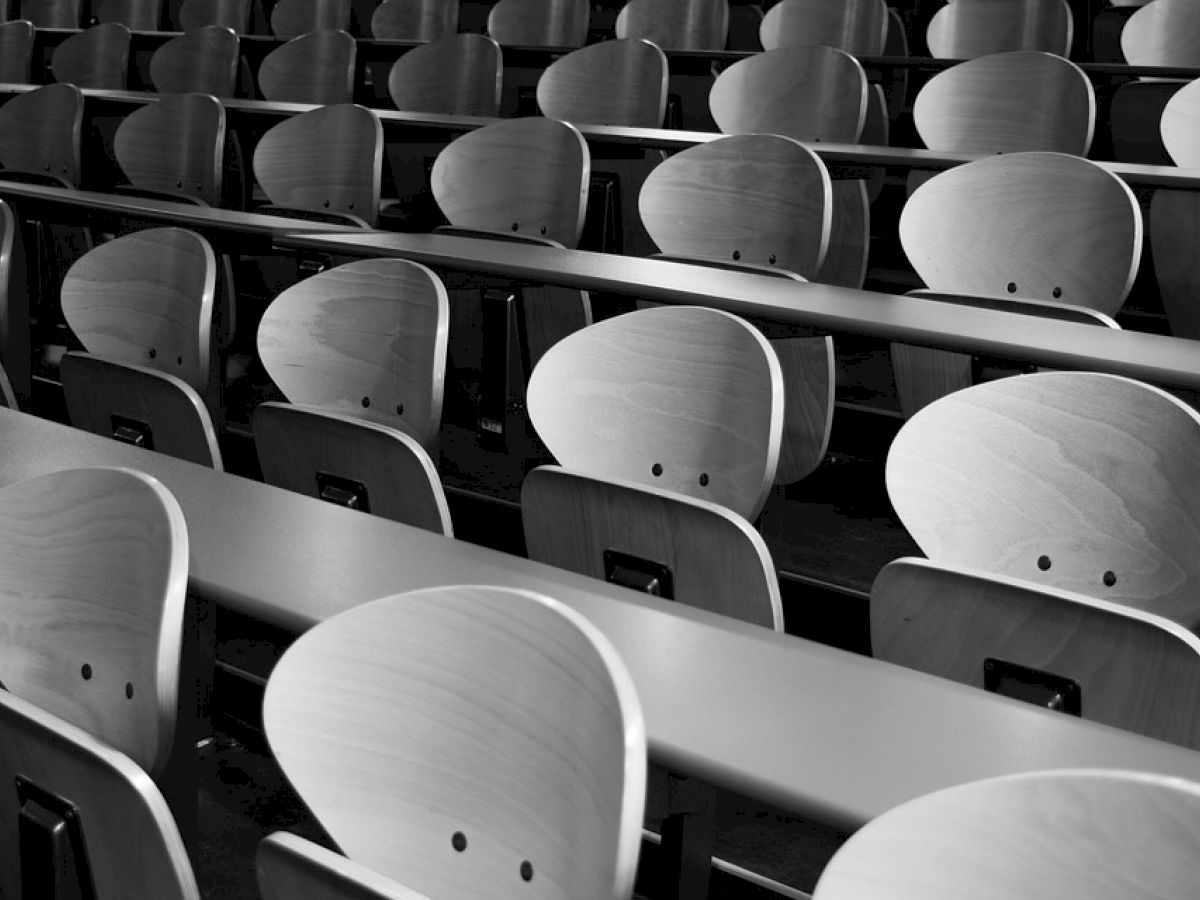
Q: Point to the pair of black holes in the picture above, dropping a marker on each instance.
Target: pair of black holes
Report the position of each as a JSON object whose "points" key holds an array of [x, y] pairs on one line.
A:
{"points": [[179, 184], [1056, 293], [366, 402], [1109, 578], [86, 671], [737, 254], [656, 470], [154, 354], [325, 203], [517, 225], [459, 842]]}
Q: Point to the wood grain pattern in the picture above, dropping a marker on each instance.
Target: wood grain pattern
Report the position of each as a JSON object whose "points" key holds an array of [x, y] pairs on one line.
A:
{"points": [[295, 443], [845, 263], [293, 18], [458, 75], [52, 13], [693, 391], [1005, 102], [175, 145], [136, 15], [807, 366], [235, 14], [414, 20], [316, 67], [97, 57], [621, 82], [806, 93], [1165, 34], [966, 29], [857, 26], [676, 24], [16, 51], [95, 390], [1092, 475], [1135, 670], [493, 713], [372, 330], [133, 845], [1104, 835], [540, 23], [717, 560], [1046, 226], [146, 299], [522, 176], [328, 160], [290, 866], [40, 131], [204, 60], [1180, 125]]}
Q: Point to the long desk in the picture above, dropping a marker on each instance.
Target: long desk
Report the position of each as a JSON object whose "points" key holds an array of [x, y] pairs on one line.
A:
{"points": [[817, 731]]}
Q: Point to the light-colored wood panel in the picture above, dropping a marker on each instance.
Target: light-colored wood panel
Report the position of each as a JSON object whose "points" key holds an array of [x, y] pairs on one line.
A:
{"points": [[966, 29], [16, 51], [540, 23], [807, 367], [845, 263], [857, 26], [204, 60], [316, 67], [621, 82], [290, 866], [95, 58], [235, 14], [293, 18], [176, 145], [1164, 33], [1180, 125], [414, 20], [676, 24], [459, 75]]}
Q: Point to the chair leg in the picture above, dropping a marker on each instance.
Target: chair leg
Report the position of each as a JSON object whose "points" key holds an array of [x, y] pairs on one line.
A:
{"points": [[688, 837]]}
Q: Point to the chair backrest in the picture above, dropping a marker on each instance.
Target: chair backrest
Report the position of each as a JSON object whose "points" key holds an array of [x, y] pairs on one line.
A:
{"points": [[965, 29], [140, 406], [525, 176], [146, 299], [366, 339], [290, 866], [235, 14], [51, 13], [540, 23], [1075, 480], [40, 132], [136, 15], [95, 58], [414, 20], [458, 75], [326, 160], [133, 846], [621, 82], [176, 145], [685, 399], [1006, 102], [857, 26], [1180, 126], [351, 462], [1103, 661], [1047, 226], [204, 60], [16, 51], [1163, 33], [15, 344], [471, 687], [292, 18], [676, 24], [317, 67], [1103, 835], [806, 93]]}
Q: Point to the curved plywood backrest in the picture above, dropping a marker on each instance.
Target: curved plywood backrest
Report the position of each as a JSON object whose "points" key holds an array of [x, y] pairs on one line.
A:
{"points": [[1080, 481], [522, 738], [146, 299], [136, 15], [1163, 33], [1115, 834], [235, 14], [16, 51], [204, 60], [95, 574], [686, 399], [327, 160], [414, 20], [806, 93], [40, 131], [51, 13], [753, 199], [676, 24], [540, 23], [1006, 102], [621, 82], [1180, 125], [1046, 226], [95, 58], [458, 75], [290, 866], [367, 339], [522, 176], [292, 18], [857, 26], [317, 67], [965, 29], [175, 145]]}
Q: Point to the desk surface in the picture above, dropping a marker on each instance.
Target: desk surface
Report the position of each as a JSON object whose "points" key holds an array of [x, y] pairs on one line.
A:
{"points": [[817, 731]]}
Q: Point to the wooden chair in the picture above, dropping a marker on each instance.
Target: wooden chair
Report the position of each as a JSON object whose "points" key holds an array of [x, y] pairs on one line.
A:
{"points": [[536, 23], [414, 20], [324, 164], [95, 58], [289, 866], [16, 51], [1112, 833], [1069, 652], [857, 26], [16, 372], [293, 18], [52, 13], [204, 60], [676, 24], [458, 75], [136, 15], [317, 67], [965, 29], [1074, 480], [1165, 34], [40, 133], [457, 680], [175, 147], [621, 82], [196, 14]]}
